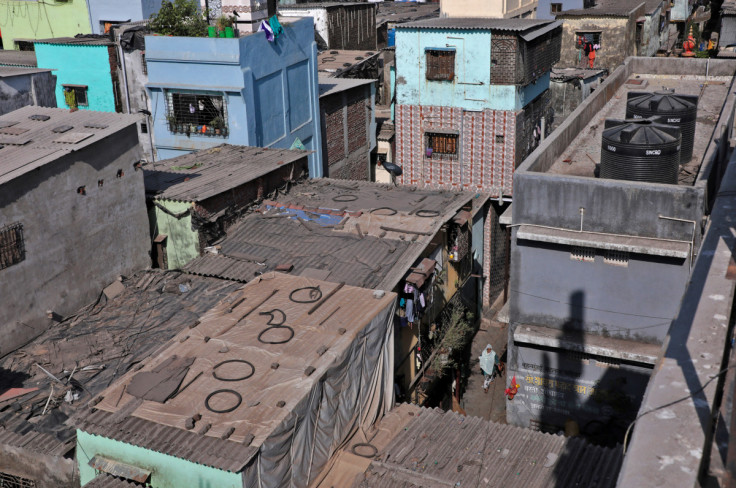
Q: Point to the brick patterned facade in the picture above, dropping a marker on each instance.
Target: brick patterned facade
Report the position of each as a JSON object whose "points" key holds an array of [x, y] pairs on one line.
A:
{"points": [[484, 161], [346, 122]]}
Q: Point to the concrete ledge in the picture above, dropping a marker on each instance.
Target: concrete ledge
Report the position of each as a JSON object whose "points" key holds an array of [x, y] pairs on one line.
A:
{"points": [[588, 344], [638, 245]]}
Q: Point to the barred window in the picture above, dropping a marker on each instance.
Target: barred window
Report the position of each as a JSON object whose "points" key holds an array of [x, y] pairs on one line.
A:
{"points": [[441, 143], [616, 258], [12, 248], [193, 112], [555, 8], [440, 64], [582, 38], [10, 481], [585, 254]]}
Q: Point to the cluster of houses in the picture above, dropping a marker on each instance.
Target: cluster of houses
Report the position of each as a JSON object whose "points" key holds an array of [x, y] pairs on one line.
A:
{"points": [[224, 259]]}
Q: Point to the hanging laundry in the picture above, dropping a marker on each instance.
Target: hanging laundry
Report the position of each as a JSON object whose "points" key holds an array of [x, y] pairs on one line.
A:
{"points": [[408, 288], [275, 26], [266, 28], [192, 109], [421, 300], [410, 310], [402, 303]]}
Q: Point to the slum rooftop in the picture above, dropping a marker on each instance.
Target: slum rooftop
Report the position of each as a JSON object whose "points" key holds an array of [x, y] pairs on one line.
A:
{"points": [[196, 176], [361, 233], [613, 8], [475, 23], [581, 155], [330, 86], [419, 447], [10, 71], [333, 62], [268, 344], [82, 355], [33, 136], [85, 40], [326, 5], [11, 57], [400, 12]]}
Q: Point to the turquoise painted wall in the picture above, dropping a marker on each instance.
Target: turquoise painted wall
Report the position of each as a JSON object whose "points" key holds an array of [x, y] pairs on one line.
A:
{"points": [[80, 64], [21, 19], [471, 89], [167, 471], [182, 244]]}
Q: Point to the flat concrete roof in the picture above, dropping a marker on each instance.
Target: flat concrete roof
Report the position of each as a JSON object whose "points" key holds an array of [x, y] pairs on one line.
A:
{"points": [[584, 153], [599, 240], [589, 344]]}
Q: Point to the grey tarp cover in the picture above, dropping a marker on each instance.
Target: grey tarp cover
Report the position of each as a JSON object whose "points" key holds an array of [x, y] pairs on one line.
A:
{"points": [[357, 391]]}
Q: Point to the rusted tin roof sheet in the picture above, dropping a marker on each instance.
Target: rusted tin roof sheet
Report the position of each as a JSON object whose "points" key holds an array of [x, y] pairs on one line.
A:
{"points": [[206, 173], [431, 447], [477, 23], [365, 234], [98, 344], [105, 480], [28, 143], [306, 325]]}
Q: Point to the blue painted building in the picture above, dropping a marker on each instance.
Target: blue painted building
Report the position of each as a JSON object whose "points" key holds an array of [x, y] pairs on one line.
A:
{"points": [[471, 99], [246, 91], [104, 13], [86, 72]]}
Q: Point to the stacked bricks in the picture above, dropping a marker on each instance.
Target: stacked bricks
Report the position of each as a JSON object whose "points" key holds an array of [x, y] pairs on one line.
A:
{"points": [[334, 128], [486, 152], [346, 121]]}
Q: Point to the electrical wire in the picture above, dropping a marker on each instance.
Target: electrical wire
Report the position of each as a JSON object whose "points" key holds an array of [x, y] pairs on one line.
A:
{"points": [[687, 397]]}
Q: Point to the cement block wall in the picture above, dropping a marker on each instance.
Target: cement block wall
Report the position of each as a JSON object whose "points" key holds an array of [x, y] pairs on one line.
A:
{"points": [[557, 386], [47, 471], [75, 245], [30, 89], [348, 126], [618, 40]]}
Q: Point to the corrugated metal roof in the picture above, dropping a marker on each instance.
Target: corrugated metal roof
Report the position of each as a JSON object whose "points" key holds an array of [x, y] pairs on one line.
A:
{"points": [[11, 57], [231, 332], [8, 71], [608, 8], [445, 449], [359, 251], [100, 343], [334, 61], [474, 23], [330, 86], [203, 174], [90, 41], [37, 146], [108, 481], [398, 12], [325, 5]]}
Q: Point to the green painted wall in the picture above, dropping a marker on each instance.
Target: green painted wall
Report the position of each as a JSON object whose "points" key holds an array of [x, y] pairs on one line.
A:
{"points": [[42, 20], [166, 471], [183, 243]]}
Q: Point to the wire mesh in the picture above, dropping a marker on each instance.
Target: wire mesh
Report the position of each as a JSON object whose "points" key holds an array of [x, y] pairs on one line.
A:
{"points": [[196, 113], [12, 246], [10, 481]]}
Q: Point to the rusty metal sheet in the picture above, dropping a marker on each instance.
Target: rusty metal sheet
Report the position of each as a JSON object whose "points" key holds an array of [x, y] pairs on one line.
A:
{"points": [[116, 468]]}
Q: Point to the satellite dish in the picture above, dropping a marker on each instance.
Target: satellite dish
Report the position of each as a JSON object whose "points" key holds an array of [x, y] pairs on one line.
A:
{"points": [[392, 168]]}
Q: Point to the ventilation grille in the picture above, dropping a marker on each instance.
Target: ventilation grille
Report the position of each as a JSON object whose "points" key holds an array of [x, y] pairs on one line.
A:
{"points": [[585, 254]]}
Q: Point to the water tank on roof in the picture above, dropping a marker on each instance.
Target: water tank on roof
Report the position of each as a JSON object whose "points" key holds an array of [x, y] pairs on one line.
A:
{"points": [[670, 109], [640, 150]]}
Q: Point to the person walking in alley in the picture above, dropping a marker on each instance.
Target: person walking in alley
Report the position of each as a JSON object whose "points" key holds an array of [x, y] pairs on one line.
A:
{"points": [[489, 366]]}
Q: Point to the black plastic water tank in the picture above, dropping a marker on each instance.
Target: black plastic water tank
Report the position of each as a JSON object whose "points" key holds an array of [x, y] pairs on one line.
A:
{"points": [[640, 150], [670, 109]]}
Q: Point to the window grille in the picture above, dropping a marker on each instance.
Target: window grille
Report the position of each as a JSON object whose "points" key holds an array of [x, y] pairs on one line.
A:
{"points": [[616, 258], [438, 143], [581, 38], [75, 96], [196, 113], [499, 139], [12, 247], [10, 481], [555, 8], [440, 64], [584, 254]]}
